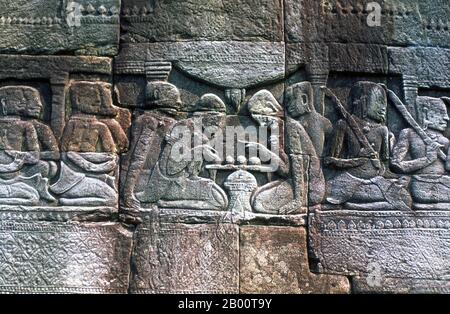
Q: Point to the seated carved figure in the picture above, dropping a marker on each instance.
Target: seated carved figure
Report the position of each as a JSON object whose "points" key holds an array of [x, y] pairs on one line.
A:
{"points": [[152, 173], [48, 145], [21, 167], [288, 195], [90, 143], [426, 156], [360, 148]]}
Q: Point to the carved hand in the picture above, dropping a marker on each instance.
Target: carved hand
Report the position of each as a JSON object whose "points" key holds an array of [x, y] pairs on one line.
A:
{"points": [[21, 158], [432, 151], [264, 152], [210, 153]]}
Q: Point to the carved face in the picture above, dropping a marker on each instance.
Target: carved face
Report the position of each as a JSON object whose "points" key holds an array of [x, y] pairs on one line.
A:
{"points": [[299, 106], [377, 105], [20, 100], [92, 98], [436, 115], [164, 97], [299, 99], [34, 107]]}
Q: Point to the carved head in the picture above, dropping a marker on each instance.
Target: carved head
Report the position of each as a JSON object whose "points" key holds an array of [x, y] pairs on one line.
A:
{"points": [[163, 96], [264, 108], [92, 98], [20, 100], [368, 101], [209, 103], [299, 99], [435, 114]]}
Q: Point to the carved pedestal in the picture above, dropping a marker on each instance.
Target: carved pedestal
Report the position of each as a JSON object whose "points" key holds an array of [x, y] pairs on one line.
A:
{"points": [[240, 184]]}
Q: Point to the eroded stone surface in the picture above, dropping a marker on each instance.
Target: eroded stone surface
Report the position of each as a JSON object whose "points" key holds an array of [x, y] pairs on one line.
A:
{"points": [[411, 245], [275, 260], [402, 22], [397, 285], [56, 26], [43, 257], [255, 20], [182, 258]]}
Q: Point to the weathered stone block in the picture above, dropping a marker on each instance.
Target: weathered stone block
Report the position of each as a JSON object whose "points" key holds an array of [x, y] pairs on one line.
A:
{"points": [[398, 285], [275, 260], [43, 257], [402, 22], [55, 26], [61, 136], [429, 66], [358, 58], [410, 245], [149, 21], [182, 258], [230, 64]]}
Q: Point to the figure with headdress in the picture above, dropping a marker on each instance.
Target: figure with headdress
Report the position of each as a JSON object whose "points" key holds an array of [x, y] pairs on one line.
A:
{"points": [[154, 174], [289, 194], [425, 153], [360, 154], [90, 143], [23, 176]]}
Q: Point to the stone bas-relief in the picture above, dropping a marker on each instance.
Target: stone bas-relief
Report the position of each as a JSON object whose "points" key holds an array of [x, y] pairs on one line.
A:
{"points": [[83, 167], [61, 138], [52, 257], [361, 182], [166, 182], [25, 168], [428, 149], [185, 258], [287, 156], [60, 26], [90, 143], [257, 146], [385, 219]]}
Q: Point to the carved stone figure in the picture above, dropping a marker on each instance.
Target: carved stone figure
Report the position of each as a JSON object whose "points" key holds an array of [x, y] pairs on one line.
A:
{"points": [[290, 194], [22, 173], [150, 126], [90, 143], [360, 150], [425, 154], [301, 97], [48, 144], [163, 180], [208, 115], [275, 197]]}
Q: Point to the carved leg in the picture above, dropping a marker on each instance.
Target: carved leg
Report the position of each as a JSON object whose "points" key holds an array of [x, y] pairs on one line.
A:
{"points": [[274, 198], [90, 192], [370, 206], [433, 206], [18, 194]]}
